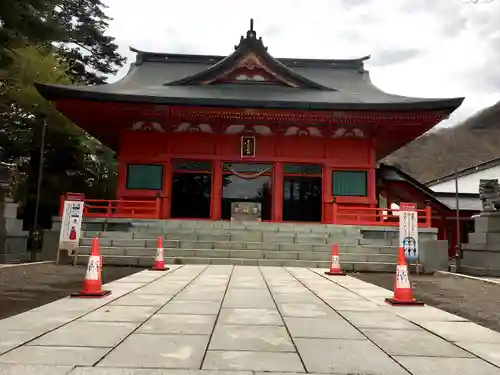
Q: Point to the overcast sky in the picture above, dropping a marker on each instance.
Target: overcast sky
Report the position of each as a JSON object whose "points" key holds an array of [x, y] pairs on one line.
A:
{"points": [[425, 48]]}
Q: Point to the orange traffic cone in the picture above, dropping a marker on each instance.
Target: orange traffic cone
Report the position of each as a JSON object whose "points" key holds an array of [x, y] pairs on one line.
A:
{"points": [[92, 285], [335, 264], [403, 294], [159, 259]]}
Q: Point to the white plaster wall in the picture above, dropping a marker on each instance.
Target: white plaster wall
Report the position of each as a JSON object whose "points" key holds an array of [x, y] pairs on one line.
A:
{"points": [[469, 183]]}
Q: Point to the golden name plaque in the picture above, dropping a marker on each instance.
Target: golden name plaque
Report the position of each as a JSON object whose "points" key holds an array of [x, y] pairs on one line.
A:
{"points": [[247, 147]]}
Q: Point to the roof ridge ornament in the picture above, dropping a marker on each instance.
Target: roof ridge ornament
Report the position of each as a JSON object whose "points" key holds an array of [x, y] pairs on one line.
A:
{"points": [[251, 33], [251, 37]]}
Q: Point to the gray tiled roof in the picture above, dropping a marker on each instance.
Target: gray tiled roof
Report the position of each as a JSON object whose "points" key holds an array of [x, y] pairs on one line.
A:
{"points": [[326, 84], [465, 203], [144, 83]]}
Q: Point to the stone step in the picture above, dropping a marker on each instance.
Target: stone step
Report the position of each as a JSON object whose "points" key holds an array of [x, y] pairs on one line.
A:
{"points": [[244, 254], [263, 229], [120, 242], [244, 236], [148, 262], [379, 241], [152, 241], [346, 266], [228, 245], [169, 225]]}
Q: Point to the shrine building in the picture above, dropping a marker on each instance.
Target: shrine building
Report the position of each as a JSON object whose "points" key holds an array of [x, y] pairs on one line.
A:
{"points": [[302, 137]]}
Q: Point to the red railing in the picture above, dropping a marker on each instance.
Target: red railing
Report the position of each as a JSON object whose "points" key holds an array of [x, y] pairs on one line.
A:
{"points": [[342, 214], [133, 209], [356, 215]]}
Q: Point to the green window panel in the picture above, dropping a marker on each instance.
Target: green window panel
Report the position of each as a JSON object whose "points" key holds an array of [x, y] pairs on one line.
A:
{"points": [[192, 165], [350, 183], [144, 176], [303, 169]]}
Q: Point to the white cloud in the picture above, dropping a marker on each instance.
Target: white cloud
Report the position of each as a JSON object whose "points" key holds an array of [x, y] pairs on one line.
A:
{"points": [[426, 48]]}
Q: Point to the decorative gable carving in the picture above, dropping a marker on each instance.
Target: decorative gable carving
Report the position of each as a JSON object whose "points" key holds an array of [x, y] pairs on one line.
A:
{"points": [[250, 69], [250, 63], [147, 126], [348, 133]]}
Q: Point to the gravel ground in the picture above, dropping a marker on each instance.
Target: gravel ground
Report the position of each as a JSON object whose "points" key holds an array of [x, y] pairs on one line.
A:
{"points": [[23, 288], [472, 299]]}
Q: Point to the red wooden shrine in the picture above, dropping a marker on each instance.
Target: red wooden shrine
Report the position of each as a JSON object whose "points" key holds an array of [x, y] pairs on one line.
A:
{"points": [[298, 124]]}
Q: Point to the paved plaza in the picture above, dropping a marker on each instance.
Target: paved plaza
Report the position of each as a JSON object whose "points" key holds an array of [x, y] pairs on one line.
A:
{"points": [[243, 320]]}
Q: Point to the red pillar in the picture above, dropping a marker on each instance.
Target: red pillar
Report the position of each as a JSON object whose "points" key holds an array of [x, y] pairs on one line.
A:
{"points": [[442, 228], [428, 216], [372, 175], [121, 187], [277, 212], [327, 195], [215, 205], [372, 187], [62, 198]]}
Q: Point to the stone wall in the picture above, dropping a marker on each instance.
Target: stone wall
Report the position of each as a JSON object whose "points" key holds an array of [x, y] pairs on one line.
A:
{"points": [[433, 253], [481, 255]]}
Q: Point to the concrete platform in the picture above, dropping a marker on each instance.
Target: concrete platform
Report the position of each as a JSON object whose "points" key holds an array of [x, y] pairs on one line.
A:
{"points": [[238, 320]]}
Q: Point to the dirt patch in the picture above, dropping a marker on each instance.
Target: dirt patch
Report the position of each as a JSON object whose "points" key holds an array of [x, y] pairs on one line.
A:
{"points": [[472, 299], [23, 288]]}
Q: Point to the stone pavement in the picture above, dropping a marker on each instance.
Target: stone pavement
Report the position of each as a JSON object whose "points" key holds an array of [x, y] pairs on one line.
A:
{"points": [[243, 320]]}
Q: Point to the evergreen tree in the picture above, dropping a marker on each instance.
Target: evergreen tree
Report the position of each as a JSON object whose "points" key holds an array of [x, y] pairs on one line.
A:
{"points": [[73, 161], [75, 27], [58, 42]]}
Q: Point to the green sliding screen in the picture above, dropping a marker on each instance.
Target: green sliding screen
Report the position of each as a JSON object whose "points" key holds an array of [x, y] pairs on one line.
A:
{"points": [[144, 176], [350, 183]]}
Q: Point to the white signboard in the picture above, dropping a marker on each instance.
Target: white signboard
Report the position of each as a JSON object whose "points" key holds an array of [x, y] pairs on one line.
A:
{"points": [[71, 225], [408, 230]]}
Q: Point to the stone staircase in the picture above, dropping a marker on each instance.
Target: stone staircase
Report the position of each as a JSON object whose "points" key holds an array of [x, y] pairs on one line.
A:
{"points": [[267, 244]]}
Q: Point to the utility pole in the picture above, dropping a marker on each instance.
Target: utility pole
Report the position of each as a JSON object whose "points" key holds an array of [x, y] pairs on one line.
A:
{"points": [[458, 247], [36, 233]]}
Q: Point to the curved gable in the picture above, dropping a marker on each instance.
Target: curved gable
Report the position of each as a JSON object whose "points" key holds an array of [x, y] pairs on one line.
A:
{"points": [[250, 63]]}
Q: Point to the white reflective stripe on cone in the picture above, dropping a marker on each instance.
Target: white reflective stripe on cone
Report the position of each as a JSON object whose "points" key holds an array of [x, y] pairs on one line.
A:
{"points": [[402, 280], [335, 261], [159, 254], [93, 267]]}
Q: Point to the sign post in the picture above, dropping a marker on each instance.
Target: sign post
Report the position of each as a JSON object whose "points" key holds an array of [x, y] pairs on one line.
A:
{"points": [[408, 230], [71, 224]]}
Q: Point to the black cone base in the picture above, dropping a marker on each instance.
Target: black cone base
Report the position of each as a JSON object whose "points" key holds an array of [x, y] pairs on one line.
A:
{"points": [[159, 269], [393, 302], [338, 273], [102, 293]]}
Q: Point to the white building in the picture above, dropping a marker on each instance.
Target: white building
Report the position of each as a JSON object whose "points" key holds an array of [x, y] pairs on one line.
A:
{"points": [[468, 185]]}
